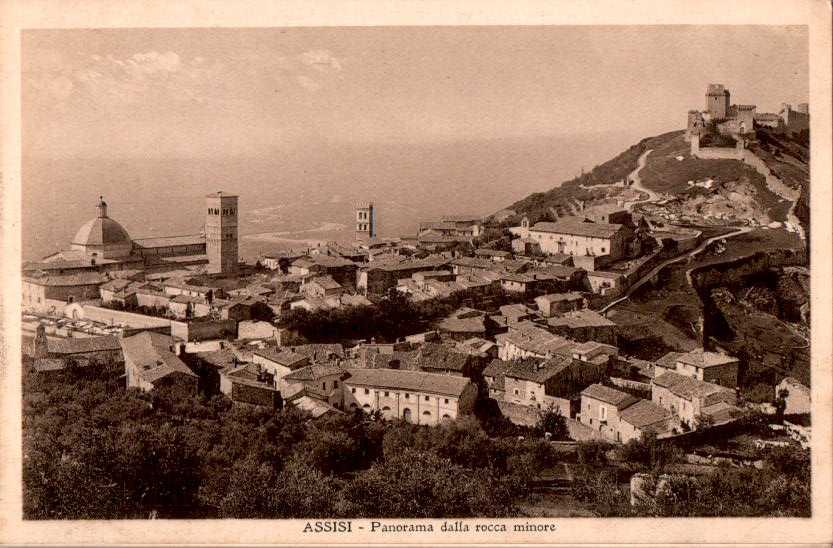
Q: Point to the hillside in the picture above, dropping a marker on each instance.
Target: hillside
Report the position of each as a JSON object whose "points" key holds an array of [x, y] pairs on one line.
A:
{"points": [[598, 185], [693, 191]]}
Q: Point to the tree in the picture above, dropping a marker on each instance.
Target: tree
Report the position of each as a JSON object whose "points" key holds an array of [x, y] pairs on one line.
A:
{"points": [[550, 420]]}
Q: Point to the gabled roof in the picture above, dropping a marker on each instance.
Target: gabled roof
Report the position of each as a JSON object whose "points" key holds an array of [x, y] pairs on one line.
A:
{"points": [[578, 319], [288, 359], [689, 387], [68, 280], [703, 359], [314, 372], [169, 241], [437, 356], [644, 414], [497, 368], [609, 395], [81, 345], [560, 297], [151, 355], [537, 370], [574, 226], [414, 381], [669, 361]]}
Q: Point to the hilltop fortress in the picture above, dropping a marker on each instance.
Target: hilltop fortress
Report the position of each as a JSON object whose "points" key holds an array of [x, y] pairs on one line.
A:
{"points": [[738, 121]]}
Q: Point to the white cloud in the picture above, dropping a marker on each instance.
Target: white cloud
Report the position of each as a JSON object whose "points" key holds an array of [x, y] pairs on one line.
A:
{"points": [[322, 59], [308, 83]]}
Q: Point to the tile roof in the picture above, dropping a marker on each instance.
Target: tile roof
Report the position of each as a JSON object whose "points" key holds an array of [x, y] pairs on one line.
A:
{"points": [[319, 351], [702, 358], [574, 226], [474, 262], [329, 261], [496, 368], [326, 282], [720, 412], [643, 414], [689, 387], [289, 359], [314, 372], [609, 395], [537, 370], [559, 297], [603, 274], [414, 381], [491, 252], [314, 406], [82, 278], [516, 310], [536, 340], [669, 361], [463, 325], [578, 319], [152, 356], [437, 356], [168, 241], [80, 345], [557, 270]]}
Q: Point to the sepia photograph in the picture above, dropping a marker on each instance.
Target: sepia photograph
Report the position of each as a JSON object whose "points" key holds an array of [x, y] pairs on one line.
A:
{"points": [[400, 279]]}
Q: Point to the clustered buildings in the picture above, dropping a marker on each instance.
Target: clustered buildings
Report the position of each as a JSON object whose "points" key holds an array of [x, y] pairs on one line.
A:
{"points": [[182, 311]]}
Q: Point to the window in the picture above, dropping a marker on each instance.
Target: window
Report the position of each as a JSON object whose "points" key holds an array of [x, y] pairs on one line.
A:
{"points": [[367, 391], [446, 400], [387, 394], [324, 385], [335, 384], [427, 398], [353, 390], [603, 412], [603, 250], [516, 392], [407, 396]]}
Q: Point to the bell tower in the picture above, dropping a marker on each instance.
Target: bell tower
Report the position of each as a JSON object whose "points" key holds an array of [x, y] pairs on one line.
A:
{"points": [[364, 220], [221, 233]]}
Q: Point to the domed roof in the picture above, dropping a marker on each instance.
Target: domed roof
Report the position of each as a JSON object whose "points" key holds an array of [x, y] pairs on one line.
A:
{"points": [[101, 231]]}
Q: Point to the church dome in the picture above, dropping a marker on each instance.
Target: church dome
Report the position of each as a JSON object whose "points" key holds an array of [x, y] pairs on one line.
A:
{"points": [[103, 236]]}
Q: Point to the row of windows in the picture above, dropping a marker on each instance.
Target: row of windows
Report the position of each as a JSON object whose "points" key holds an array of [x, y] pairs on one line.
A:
{"points": [[387, 394], [335, 385], [227, 212], [363, 215], [363, 226]]}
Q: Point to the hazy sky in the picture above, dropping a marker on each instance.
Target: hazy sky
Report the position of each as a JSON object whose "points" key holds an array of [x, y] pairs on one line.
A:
{"points": [[240, 92]]}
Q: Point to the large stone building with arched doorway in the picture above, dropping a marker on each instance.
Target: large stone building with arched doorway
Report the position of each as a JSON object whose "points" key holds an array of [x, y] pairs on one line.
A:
{"points": [[413, 396]]}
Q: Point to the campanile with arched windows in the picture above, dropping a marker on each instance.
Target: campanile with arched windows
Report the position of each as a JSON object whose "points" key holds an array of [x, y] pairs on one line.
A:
{"points": [[221, 233]]}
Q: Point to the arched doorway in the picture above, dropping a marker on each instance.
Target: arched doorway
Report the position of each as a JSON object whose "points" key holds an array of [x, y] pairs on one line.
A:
{"points": [[406, 414]]}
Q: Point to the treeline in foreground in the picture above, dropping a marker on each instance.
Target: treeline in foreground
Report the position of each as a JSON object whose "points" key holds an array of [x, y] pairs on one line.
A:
{"points": [[93, 450]]}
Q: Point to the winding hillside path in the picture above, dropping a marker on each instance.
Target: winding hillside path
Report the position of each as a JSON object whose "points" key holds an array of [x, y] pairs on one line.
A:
{"points": [[639, 283], [637, 182]]}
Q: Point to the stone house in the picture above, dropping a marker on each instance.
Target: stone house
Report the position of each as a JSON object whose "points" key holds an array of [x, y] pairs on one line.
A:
{"points": [[323, 381], [250, 384], [554, 381], [554, 304], [709, 366], [689, 398], [601, 407], [279, 362], [149, 363], [584, 325], [413, 396]]}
